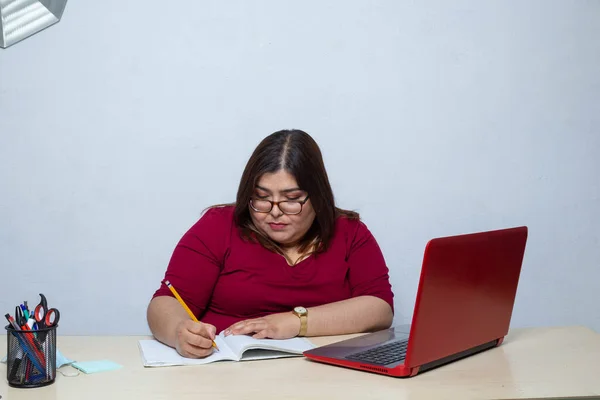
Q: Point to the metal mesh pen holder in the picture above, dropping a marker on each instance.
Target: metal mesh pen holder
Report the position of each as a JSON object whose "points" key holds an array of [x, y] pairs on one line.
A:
{"points": [[31, 357]]}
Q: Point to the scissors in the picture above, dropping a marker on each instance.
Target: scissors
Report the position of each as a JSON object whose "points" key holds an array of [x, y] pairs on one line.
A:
{"points": [[21, 320], [45, 317], [20, 317]]}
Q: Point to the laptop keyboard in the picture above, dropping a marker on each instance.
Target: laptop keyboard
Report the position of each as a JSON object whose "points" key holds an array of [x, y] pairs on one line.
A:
{"points": [[388, 353]]}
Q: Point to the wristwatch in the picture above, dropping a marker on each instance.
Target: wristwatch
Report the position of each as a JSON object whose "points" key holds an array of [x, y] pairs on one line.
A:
{"points": [[302, 313]]}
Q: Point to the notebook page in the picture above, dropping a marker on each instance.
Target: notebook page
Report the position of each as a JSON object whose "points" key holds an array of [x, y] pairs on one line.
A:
{"points": [[240, 343], [157, 354], [259, 354]]}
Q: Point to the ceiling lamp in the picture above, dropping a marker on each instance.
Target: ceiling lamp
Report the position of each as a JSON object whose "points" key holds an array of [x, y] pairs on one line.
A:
{"points": [[20, 19]]}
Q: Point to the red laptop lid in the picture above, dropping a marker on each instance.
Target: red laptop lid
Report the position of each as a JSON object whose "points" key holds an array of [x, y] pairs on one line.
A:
{"points": [[466, 293]]}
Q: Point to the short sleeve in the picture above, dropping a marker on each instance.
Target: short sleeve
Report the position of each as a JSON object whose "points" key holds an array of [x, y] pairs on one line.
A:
{"points": [[198, 258], [368, 272]]}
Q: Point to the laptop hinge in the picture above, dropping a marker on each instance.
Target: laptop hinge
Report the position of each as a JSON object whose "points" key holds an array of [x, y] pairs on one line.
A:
{"points": [[458, 356]]}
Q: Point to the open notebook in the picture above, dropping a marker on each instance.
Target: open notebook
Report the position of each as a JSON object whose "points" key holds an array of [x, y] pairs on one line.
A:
{"points": [[231, 348]]}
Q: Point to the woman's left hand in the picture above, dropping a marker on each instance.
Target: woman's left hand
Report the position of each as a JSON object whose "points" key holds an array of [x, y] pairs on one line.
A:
{"points": [[275, 326]]}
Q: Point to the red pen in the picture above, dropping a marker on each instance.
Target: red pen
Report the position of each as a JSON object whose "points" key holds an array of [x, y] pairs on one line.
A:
{"points": [[37, 352], [35, 342], [11, 320]]}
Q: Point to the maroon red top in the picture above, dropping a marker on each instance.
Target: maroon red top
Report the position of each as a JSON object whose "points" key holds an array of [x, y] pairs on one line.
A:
{"points": [[225, 279]]}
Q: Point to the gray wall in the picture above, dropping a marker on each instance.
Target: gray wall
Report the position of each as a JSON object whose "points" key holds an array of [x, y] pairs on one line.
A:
{"points": [[122, 122]]}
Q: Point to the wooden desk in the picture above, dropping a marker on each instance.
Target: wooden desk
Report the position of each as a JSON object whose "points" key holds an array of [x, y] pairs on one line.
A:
{"points": [[532, 363]]}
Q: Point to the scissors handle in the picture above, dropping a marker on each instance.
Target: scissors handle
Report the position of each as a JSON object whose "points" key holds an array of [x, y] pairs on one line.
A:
{"points": [[52, 317], [45, 318], [41, 309]]}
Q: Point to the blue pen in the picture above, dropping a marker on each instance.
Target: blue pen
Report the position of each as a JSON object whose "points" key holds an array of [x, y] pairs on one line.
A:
{"points": [[24, 346], [25, 311]]}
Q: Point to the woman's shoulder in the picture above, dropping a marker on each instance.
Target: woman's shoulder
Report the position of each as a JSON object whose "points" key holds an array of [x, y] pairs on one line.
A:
{"points": [[352, 233], [216, 217], [348, 221], [349, 226], [225, 211], [211, 231]]}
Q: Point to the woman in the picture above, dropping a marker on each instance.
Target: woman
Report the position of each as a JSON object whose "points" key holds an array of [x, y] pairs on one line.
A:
{"points": [[283, 261]]}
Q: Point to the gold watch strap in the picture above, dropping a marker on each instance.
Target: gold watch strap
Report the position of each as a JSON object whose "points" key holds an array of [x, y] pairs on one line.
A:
{"points": [[303, 325]]}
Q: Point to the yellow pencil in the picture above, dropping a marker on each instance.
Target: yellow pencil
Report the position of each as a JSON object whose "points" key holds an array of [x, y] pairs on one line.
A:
{"points": [[186, 308]]}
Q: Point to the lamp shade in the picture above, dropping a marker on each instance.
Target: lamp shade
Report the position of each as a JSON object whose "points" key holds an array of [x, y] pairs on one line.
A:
{"points": [[20, 19]]}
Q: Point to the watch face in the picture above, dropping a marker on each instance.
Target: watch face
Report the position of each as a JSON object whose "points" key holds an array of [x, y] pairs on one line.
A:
{"points": [[300, 310]]}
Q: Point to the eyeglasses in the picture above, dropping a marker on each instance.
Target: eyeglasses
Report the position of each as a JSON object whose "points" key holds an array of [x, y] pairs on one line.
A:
{"points": [[289, 207]]}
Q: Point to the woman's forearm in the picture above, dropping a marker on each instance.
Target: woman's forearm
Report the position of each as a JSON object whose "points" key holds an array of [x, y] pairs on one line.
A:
{"points": [[164, 313], [358, 314]]}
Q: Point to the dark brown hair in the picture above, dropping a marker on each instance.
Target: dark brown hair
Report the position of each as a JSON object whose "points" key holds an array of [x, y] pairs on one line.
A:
{"points": [[297, 153]]}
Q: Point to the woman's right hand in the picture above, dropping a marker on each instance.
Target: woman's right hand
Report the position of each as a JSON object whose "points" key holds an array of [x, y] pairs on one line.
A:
{"points": [[194, 339]]}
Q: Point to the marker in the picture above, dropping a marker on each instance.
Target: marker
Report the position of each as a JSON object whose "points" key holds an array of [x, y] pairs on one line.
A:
{"points": [[12, 376], [190, 313], [12, 321], [36, 356]]}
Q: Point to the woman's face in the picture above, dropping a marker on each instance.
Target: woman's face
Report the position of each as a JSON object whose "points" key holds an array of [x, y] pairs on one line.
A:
{"points": [[284, 229]]}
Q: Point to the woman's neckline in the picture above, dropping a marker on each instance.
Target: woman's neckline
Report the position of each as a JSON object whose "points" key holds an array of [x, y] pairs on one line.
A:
{"points": [[296, 258]]}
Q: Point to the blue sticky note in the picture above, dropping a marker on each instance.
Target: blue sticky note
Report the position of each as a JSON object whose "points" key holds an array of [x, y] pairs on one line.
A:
{"points": [[62, 360], [90, 367]]}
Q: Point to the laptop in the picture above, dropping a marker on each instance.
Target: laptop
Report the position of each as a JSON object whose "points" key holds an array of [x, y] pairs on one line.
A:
{"points": [[464, 305]]}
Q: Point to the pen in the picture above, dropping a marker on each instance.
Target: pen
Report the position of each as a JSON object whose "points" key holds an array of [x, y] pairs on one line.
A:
{"points": [[37, 357], [18, 360], [190, 313], [11, 320], [13, 374], [25, 311]]}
